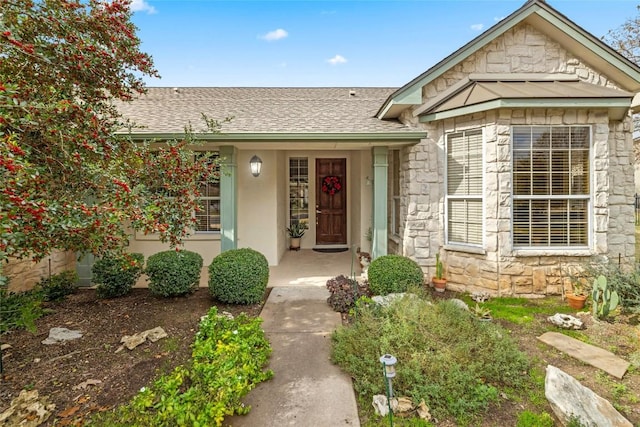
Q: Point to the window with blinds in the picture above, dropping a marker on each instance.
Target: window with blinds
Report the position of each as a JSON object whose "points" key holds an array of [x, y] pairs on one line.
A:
{"points": [[551, 186], [208, 213], [464, 188], [298, 190]]}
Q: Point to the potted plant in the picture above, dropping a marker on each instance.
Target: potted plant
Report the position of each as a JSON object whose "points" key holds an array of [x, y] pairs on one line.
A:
{"points": [[578, 296], [296, 231], [439, 282]]}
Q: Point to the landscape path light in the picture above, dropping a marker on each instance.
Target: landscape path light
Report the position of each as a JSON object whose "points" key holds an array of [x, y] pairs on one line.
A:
{"points": [[389, 372]]}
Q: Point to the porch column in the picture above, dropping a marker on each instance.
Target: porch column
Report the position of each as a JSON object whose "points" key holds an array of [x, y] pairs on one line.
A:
{"points": [[228, 199], [379, 226]]}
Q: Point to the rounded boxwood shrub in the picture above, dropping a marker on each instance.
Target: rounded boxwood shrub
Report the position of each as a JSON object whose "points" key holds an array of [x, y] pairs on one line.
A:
{"points": [[173, 272], [115, 275], [393, 273], [239, 276]]}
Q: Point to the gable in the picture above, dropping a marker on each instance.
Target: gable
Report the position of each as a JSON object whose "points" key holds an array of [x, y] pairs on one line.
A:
{"points": [[533, 33]]}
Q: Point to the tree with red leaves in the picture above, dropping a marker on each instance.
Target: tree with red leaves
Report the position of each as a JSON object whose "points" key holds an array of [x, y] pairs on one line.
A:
{"points": [[67, 180]]}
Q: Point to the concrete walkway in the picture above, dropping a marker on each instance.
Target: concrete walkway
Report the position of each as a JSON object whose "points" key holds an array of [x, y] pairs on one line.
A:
{"points": [[307, 389]]}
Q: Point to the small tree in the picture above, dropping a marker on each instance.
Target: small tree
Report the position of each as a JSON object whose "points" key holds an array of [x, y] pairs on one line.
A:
{"points": [[67, 179], [626, 40]]}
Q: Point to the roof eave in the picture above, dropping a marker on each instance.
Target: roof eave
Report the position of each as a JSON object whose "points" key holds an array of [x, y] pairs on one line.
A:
{"points": [[278, 137], [618, 107], [459, 55], [620, 69]]}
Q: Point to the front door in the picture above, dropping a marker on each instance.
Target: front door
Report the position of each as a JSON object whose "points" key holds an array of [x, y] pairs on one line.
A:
{"points": [[331, 201]]}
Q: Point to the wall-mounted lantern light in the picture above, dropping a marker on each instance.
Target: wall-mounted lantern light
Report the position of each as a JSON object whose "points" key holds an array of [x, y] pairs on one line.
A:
{"points": [[256, 165]]}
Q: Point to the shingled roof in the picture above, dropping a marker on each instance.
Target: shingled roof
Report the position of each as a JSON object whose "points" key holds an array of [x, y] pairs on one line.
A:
{"points": [[262, 110]]}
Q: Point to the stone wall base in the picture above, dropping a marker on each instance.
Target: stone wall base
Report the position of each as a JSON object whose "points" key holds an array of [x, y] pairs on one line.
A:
{"points": [[24, 274]]}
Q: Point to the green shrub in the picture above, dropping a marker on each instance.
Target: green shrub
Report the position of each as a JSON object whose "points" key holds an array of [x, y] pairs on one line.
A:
{"points": [[173, 273], [393, 273], [228, 360], [239, 276], [58, 285], [530, 419], [115, 275], [626, 282], [456, 364], [20, 309], [344, 293]]}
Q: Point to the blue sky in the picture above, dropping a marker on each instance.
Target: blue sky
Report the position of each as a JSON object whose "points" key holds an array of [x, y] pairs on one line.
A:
{"points": [[326, 43]]}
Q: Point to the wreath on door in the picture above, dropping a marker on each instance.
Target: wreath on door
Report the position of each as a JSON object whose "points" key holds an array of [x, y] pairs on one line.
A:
{"points": [[331, 185]]}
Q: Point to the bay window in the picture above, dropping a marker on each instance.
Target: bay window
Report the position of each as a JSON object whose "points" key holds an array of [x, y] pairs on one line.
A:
{"points": [[464, 188], [551, 186]]}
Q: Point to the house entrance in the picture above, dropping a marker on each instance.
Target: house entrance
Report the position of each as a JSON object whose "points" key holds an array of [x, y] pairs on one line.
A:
{"points": [[331, 201]]}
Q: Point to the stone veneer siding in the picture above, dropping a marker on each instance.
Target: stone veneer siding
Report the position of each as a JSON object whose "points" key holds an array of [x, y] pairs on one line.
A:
{"points": [[23, 274], [497, 267]]}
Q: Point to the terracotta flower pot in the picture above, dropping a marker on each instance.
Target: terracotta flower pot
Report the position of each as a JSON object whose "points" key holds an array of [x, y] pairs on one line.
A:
{"points": [[576, 301], [439, 284], [294, 243]]}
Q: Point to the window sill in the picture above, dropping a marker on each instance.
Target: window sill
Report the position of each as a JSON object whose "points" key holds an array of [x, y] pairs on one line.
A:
{"points": [[529, 252], [467, 249]]}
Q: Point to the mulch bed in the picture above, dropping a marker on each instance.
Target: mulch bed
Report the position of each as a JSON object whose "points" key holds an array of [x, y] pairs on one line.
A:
{"points": [[58, 371]]}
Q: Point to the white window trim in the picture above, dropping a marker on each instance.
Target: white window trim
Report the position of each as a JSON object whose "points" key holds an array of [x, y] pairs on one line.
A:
{"points": [[473, 248], [582, 250], [207, 198]]}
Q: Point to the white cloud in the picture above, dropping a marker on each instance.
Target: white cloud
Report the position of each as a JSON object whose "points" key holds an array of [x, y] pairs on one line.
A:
{"points": [[477, 27], [142, 6], [498, 18], [338, 59], [275, 35]]}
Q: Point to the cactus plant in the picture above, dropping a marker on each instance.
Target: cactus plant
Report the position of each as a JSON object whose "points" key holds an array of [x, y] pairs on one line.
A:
{"points": [[604, 298], [439, 267]]}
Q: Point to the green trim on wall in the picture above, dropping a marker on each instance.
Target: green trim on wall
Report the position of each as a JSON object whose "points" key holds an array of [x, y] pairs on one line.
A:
{"points": [[608, 103], [587, 39], [379, 226], [339, 138], [228, 199], [530, 10]]}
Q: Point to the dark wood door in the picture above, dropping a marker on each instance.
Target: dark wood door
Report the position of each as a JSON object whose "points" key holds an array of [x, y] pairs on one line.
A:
{"points": [[331, 201]]}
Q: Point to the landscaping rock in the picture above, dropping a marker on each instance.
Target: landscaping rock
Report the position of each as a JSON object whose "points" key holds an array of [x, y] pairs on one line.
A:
{"points": [[27, 410], [381, 405], [566, 321], [84, 384], [58, 335], [401, 406], [153, 335], [569, 398], [480, 296], [4, 347], [386, 300], [423, 411], [461, 304]]}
